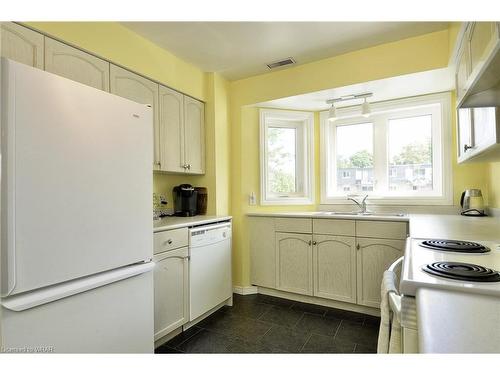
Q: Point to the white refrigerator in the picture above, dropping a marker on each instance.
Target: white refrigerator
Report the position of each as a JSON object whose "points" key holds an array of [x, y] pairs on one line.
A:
{"points": [[76, 222]]}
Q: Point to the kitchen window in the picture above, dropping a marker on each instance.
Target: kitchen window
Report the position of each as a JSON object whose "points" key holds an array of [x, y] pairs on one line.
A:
{"points": [[286, 157], [400, 154]]}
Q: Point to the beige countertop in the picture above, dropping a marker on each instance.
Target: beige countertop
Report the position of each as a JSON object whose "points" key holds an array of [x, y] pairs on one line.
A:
{"points": [[174, 222], [440, 226], [335, 215], [455, 227]]}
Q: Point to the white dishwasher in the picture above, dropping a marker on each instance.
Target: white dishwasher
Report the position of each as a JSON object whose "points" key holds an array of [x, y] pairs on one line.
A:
{"points": [[210, 267]]}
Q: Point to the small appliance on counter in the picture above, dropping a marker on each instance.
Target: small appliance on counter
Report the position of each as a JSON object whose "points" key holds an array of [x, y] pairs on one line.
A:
{"points": [[185, 200], [202, 200], [472, 203]]}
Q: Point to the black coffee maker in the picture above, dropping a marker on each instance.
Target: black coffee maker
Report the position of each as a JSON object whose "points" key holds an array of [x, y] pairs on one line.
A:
{"points": [[185, 200]]}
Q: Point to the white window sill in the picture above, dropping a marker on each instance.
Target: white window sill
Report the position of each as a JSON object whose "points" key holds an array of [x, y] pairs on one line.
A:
{"points": [[393, 201], [286, 202]]}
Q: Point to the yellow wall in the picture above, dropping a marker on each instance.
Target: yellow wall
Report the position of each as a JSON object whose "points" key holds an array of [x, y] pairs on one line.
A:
{"points": [[494, 185], [407, 56], [116, 43]]}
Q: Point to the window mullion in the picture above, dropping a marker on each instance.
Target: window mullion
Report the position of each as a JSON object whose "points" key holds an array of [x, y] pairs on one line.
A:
{"points": [[380, 161]]}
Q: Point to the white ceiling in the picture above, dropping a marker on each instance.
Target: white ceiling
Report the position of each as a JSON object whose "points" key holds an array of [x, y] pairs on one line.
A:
{"points": [[242, 49], [404, 86]]}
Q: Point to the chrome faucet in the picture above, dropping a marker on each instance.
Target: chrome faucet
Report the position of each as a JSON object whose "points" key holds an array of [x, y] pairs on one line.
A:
{"points": [[362, 205]]}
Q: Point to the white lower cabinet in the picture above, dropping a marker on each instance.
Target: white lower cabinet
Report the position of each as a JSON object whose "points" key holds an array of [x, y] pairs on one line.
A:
{"points": [[374, 256], [171, 291], [334, 267], [294, 263], [340, 260], [262, 251]]}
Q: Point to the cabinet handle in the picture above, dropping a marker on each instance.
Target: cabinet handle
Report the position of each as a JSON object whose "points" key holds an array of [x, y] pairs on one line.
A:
{"points": [[315, 243], [189, 166], [158, 163], [358, 247], [168, 242], [467, 147], [310, 242]]}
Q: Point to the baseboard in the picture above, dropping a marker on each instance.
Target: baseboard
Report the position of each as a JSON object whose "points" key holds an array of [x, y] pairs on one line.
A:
{"points": [[244, 290], [320, 301], [167, 337]]}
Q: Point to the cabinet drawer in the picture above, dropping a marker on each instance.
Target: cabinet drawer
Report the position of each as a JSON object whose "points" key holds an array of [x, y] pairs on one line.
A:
{"points": [[293, 225], [170, 239], [381, 229], [334, 226]]}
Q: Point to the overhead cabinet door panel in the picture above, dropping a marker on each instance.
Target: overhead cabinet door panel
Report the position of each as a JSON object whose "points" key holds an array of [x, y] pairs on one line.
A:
{"points": [[22, 45], [141, 90], [76, 65], [171, 130], [194, 121]]}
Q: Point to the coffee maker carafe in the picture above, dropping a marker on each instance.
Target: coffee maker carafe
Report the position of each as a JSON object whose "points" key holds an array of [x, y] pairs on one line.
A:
{"points": [[185, 200]]}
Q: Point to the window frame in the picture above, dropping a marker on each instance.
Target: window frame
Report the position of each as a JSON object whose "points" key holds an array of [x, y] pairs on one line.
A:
{"points": [[381, 113], [304, 172]]}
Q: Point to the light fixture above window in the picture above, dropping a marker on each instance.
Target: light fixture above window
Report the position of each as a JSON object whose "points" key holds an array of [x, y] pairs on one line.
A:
{"points": [[332, 113], [365, 107]]}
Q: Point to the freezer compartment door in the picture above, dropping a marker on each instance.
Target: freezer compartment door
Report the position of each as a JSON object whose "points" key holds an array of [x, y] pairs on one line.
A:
{"points": [[116, 316], [76, 180]]}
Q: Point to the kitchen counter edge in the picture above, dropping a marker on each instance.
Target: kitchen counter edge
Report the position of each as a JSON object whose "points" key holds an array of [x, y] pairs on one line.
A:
{"points": [[321, 215], [176, 222]]}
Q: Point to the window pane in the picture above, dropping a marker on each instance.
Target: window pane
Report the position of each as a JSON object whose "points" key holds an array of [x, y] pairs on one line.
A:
{"points": [[281, 160], [410, 154], [355, 158]]}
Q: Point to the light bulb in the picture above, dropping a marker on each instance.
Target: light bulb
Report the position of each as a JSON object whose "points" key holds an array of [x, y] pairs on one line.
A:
{"points": [[365, 109], [332, 113]]}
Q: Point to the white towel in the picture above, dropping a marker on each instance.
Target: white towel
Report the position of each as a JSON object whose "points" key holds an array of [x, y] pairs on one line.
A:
{"points": [[389, 337]]}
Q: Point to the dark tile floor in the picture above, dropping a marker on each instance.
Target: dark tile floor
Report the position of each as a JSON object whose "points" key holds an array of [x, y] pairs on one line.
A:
{"points": [[263, 324]]}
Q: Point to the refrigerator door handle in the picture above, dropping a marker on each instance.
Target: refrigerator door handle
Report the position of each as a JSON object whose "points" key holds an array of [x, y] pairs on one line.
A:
{"points": [[53, 293]]}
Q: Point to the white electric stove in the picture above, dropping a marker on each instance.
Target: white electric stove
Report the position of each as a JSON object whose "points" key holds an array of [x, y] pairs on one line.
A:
{"points": [[467, 266], [454, 265]]}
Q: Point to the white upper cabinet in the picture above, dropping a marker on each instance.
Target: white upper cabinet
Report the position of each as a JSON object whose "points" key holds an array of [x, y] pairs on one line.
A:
{"points": [[181, 133], [141, 90], [478, 65], [478, 99], [463, 69], [22, 45], [178, 120], [482, 36], [464, 133], [171, 131], [478, 134], [194, 121], [76, 65]]}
